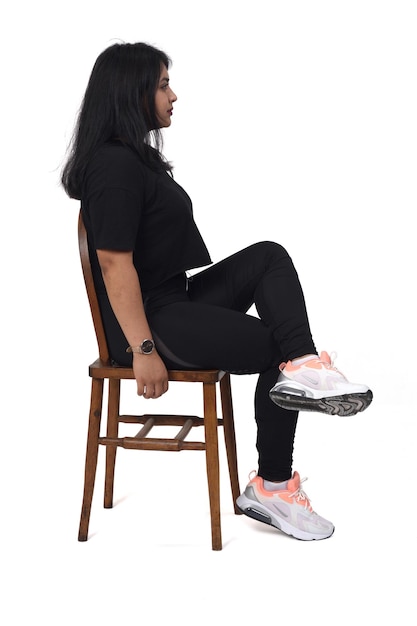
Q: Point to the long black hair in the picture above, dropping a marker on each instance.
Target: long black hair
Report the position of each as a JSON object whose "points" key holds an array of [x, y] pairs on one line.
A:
{"points": [[119, 103]]}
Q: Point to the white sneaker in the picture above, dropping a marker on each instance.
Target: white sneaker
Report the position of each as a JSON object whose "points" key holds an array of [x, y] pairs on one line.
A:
{"points": [[316, 385], [287, 509]]}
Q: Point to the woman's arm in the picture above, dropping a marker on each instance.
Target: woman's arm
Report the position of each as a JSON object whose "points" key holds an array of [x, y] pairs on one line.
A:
{"points": [[123, 289]]}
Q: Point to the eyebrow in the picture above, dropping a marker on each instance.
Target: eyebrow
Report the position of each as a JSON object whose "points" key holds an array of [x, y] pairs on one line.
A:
{"points": [[164, 79]]}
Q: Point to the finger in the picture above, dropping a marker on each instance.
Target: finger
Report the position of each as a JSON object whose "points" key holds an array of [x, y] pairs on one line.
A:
{"points": [[141, 390], [161, 389], [149, 392]]}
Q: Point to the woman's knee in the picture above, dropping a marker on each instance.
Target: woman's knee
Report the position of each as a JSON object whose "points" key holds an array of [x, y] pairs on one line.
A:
{"points": [[270, 250]]}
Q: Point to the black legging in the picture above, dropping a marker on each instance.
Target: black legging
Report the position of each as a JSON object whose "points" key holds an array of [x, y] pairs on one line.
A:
{"points": [[202, 323]]}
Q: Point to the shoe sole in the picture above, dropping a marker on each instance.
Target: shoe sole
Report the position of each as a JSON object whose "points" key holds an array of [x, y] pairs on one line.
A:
{"points": [[261, 514], [349, 404]]}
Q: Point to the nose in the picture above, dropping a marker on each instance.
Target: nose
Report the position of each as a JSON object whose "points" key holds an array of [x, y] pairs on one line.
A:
{"points": [[173, 96]]}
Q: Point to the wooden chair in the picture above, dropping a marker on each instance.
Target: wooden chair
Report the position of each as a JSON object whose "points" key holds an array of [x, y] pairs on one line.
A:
{"points": [[102, 370]]}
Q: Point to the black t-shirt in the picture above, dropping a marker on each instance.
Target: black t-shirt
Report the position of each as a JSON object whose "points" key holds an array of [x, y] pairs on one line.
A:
{"points": [[128, 206]]}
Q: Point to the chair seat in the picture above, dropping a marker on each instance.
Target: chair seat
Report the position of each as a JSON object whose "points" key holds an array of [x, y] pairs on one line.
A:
{"points": [[105, 369]]}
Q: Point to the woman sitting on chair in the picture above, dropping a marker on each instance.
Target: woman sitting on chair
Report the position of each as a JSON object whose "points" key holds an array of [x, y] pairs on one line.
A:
{"points": [[143, 239]]}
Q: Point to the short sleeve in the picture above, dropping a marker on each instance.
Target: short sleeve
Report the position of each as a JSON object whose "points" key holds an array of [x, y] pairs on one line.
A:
{"points": [[115, 217], [113, 195]]}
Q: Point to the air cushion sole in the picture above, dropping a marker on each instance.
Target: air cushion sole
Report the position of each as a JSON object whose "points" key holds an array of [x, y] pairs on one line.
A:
{"points": [[261, 514], [349, 404]]}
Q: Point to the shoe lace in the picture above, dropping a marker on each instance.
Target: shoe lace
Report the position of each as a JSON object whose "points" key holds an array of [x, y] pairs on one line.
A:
{"points": [[301, 496], [330, 365]]}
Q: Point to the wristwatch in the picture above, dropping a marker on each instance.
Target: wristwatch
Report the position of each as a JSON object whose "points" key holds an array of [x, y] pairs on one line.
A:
{"points": [[146, 347]]}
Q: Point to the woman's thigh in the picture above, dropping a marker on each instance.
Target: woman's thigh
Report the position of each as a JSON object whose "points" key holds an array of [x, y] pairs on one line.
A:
{"points": [[232, 282], [199, 335], [264, 275]]}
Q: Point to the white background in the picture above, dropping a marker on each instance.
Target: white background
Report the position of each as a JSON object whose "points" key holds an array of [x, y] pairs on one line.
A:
{"points": [[295, 122]]}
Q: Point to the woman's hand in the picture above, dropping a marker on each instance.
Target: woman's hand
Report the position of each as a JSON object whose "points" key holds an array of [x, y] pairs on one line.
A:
{"points": [[151, 375]]}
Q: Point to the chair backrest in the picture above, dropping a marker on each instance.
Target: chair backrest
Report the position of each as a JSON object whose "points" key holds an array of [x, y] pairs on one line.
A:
{"points": [[91, 291]]}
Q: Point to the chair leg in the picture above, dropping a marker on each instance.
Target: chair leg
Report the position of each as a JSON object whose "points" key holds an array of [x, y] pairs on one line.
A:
{"points": [[113, 432], [230, 437], [91, 455], [212, 461]]}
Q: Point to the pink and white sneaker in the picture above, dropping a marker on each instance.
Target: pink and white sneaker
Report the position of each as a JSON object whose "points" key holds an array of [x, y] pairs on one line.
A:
{"points": [[316, 385], [288, 509]]}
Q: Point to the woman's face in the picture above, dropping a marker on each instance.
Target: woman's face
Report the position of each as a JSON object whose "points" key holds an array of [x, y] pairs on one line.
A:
{"points": [[164, 99]]}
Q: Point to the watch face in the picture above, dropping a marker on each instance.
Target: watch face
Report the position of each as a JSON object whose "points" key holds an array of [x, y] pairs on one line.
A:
{"points": [[147, 346]]}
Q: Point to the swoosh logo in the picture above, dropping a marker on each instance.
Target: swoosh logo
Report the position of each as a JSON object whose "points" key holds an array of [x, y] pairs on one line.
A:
{"points": [[312, 381], [279, 511]]}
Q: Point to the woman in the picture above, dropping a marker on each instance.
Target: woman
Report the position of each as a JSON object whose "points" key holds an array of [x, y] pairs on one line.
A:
{"points": [[143, 239]]}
